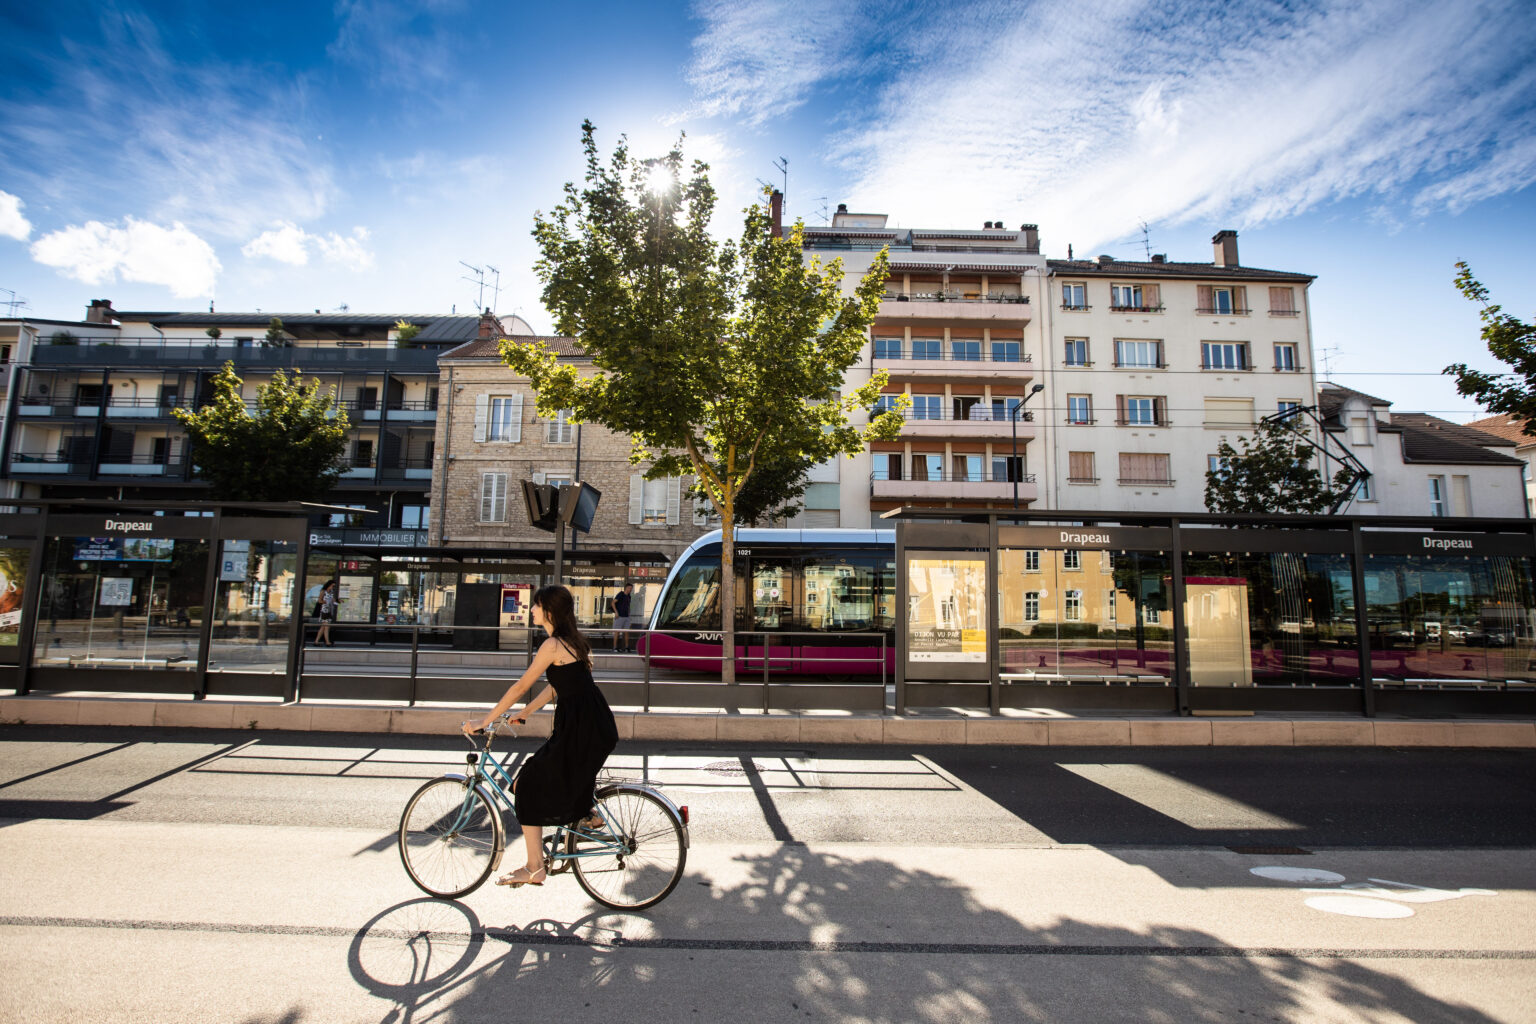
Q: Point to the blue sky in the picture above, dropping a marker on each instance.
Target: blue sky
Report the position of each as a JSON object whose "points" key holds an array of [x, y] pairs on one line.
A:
{"points": [[306, 156]]}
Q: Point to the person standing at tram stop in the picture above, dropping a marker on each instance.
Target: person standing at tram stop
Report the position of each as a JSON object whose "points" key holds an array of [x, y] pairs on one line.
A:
{"points": [[621, 617], [325, 611], [554, 786]]}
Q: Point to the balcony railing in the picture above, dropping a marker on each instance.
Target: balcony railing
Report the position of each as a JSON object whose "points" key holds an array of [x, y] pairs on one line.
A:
{"points": [[976, 414], [1159, 365], [1218, 311], [956, 478], [1082, 479], [1128, 422], [1139, 481], [135, 352], [1117, 308], [1285, 312], [1072, 307], [952, 357], [954, 296]]}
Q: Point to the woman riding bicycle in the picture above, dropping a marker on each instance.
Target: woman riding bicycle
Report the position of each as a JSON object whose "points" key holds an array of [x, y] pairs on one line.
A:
{"points": [[555, 785]]}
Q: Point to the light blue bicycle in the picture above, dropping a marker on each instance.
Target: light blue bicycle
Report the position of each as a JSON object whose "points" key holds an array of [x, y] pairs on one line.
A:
{"points": [[452, 835]]}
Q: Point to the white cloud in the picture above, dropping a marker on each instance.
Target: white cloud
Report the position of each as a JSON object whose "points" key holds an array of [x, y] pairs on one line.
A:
{"points": [[13, 223], [286, 242], [1091, 117], [98, 253], [351, 252]]}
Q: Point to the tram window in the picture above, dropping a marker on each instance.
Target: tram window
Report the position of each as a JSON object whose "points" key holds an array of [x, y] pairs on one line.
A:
{"points": [[693, 599], [846, 595]]}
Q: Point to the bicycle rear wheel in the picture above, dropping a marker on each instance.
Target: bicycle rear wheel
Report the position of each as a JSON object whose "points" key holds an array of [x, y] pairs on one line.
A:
{"points": [[451, 837], [638, 859]]}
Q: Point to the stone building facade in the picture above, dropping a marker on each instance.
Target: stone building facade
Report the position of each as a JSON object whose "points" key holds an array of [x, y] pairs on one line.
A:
{"points": [[490, 438]]}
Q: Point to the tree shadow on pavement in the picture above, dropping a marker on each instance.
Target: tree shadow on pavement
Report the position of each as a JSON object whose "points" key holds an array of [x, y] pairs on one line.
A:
{"points": [[801, 935]]}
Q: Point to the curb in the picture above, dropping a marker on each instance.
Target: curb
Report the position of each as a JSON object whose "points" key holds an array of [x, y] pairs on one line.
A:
{"points": [[790, 726]]}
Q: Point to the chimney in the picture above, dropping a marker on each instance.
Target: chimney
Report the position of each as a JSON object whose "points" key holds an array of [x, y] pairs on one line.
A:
{"points": [[1224, 243], [490, 327], [1032, 237], [1159, 257], [987, 226], [776, 211], [842, 207], [1106, 260], [100, 311]]}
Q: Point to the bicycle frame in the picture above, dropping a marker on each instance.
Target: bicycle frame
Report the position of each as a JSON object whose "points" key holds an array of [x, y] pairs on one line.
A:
{"points": [[497, 783]]}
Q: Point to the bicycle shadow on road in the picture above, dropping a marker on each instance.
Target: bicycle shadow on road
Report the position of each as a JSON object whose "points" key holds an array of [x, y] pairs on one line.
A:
{"points": [[801, 935]]}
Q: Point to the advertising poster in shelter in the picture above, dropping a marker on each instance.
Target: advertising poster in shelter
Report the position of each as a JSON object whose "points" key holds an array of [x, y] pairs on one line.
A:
{"points": [[947, 613], [13, 581]]}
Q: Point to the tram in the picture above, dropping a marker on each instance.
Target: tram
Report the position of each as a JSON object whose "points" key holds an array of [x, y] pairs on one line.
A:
{"points": [[810, 602]]}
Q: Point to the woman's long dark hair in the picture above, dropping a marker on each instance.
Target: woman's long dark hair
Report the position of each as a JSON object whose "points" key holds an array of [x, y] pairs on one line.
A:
{"points": [[560, 608]]}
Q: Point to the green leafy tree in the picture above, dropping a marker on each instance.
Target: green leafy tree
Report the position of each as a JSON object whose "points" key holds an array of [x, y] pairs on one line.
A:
{"points": [[289, 450], [715, 357], [405, 333], [214, 333], [1272, 472], [1512, 341], [772, 492]]}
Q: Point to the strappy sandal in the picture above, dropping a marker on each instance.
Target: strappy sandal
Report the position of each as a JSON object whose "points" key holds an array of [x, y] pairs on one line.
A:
{"points": [[522, 876], [591, 823]]}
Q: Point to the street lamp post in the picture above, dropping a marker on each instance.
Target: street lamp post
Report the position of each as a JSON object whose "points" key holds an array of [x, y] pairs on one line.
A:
{"points": [[1013, 422]]}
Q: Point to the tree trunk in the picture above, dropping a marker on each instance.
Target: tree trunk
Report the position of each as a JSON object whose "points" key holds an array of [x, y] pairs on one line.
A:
{"points": [[727, 596]]}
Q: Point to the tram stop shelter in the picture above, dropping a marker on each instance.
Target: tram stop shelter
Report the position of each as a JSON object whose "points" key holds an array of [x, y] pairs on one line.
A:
{"points": [[1206, 614]]}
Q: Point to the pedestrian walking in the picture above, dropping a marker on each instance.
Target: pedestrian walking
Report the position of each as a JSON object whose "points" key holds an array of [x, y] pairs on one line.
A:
{"points": [[621, 617], [325, 611], [555, 784]]}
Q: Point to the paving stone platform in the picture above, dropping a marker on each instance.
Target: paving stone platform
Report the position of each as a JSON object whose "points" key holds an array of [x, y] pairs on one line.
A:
{"points": [[1043, 727]]}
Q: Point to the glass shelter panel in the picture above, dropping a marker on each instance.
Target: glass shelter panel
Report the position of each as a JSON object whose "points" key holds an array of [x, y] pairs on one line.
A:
{"points": [[121, 602], [1447, 620], [253, 606], [1085, 617], [1270, 619]]}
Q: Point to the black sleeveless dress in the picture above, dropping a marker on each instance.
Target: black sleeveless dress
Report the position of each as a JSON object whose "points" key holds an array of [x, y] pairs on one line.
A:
{"points": [[554, 786]]}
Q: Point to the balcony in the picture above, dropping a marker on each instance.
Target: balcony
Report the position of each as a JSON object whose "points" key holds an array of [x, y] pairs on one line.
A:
{"points": [[60, 463], [408, 469], [948, 307], [143, 408], [142, 465], [978, 365], [414, 412], [977, 425], [1220, 311], [954, 488], [153, 353]]}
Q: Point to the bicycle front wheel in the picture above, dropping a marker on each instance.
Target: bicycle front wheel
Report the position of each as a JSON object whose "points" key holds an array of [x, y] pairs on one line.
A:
{"points": [[638, 859], [451, 837]]}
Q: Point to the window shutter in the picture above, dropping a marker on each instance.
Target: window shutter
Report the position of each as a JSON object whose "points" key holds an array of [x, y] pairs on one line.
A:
{"points": [[1281, 300], [1127, 466], [487, 497], [1160, 411], [1240, 299], [1157, 353], [552, 429], [482, 415], [515, 419], [1120, 409], [1151, 296], [1159, 467], [1206, 296], [1080, 465], [636, 498], [674, 500]]}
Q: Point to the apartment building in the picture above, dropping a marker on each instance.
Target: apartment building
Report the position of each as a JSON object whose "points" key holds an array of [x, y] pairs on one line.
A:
{"points": [[91, 409], [1422, 465], [1511, 429], [491, 438], [1153, 363], [959, 331]]}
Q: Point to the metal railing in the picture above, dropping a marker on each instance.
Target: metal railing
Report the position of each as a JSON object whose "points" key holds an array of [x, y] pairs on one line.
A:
{"points": [[955, 477], [770, 667], [971, 416], [939, 356], [954, 296]]}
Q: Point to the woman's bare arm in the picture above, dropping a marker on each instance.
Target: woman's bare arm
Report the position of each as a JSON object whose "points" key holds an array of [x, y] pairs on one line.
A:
{"points": [[541, 661], [538, 702]]}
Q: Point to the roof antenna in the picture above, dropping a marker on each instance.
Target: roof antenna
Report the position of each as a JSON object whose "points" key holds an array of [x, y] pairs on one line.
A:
{"points": [[478, 280], [1146, 240], [496, 288], [782, 163], [1327, 356]]}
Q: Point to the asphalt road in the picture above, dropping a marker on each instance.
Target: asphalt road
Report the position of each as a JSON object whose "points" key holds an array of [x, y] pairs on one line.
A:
{"points": [[163, 875]]}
